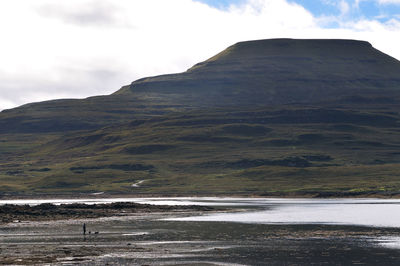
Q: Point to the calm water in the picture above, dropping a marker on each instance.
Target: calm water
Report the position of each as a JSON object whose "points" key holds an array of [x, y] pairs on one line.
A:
{"points": [[252, 232], [374, 213], [360, 212]]}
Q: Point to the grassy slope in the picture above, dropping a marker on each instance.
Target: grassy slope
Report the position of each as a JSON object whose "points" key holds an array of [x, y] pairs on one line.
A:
{"points": [[256, 73], [269, 151], [266, 117]]}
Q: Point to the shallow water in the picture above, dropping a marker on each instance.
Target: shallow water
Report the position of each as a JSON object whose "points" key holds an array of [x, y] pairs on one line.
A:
{"points": [[357, 212], [250, 232], [360, 212]]}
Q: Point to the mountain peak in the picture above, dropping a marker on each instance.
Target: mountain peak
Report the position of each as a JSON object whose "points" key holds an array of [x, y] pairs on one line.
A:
{"points": [[259, 74], [268, 116], [286, 47], [280, 71], [290, 43]]}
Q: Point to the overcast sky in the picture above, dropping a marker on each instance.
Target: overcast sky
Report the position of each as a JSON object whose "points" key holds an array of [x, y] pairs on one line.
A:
{"points": [[78, 48]]}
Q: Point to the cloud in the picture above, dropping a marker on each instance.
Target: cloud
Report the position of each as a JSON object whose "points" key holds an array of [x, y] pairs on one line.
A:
{"points": [[381, 2], [344, 7], [78, 48], [389, 1], [82, 13], [6, 104]]}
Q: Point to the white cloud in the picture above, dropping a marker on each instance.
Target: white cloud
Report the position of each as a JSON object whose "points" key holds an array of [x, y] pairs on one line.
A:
{"points": [[78, 48], [83, 13], [5, 104], [344, 7], [389, 1], [381, 2]]}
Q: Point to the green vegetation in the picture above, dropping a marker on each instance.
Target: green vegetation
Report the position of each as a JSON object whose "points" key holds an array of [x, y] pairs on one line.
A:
{"points": [[274, 117], [200, 153]]}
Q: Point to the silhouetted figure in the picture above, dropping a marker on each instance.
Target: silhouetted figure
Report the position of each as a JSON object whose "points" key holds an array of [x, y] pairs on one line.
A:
{"points": [[84, 229]]}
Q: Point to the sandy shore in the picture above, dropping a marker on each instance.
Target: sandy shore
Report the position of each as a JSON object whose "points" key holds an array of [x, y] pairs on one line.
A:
{"points": [[144, 238]]}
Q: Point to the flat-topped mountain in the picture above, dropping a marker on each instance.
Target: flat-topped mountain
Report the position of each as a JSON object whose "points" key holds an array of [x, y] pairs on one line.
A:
{"points": [[268, 117], [280, 71], [255, 73]]}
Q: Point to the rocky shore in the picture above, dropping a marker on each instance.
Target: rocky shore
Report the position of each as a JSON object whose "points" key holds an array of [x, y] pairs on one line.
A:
{"points": [[46, 211], [139, 234]]}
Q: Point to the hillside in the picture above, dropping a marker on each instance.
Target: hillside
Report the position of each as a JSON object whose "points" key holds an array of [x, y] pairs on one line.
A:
{"points": [[270, 117], [255, 73], [280, 71]]}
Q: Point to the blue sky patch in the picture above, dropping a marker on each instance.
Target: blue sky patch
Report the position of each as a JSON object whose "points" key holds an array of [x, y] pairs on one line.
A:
{"points": [[366, 9], [320, 7], [221, 4]]}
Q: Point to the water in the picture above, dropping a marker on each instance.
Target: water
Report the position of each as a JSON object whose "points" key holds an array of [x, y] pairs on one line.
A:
{"points": [[356, 212], [359, 212], [201, 201], [250, 231]]}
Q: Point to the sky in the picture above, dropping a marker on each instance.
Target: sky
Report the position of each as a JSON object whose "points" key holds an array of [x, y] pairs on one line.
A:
{"points": [[80, 48]]}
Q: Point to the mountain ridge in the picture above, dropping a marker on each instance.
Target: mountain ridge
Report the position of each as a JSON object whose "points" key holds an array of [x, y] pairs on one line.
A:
{"points": [[271, 117], [252, 73], [279, 61]]}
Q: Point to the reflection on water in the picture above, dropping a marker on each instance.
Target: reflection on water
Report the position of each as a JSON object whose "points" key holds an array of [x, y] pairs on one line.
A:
{"points": [[204, 201], [375, 213], [388, 242]]}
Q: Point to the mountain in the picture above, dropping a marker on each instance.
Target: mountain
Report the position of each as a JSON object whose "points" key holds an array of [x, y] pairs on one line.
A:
{"points": [[267, 117], [254, 73], [280, 71]]}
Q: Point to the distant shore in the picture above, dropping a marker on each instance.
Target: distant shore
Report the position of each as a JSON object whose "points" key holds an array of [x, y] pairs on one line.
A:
{"points": [[305, 194], [47, 211]]}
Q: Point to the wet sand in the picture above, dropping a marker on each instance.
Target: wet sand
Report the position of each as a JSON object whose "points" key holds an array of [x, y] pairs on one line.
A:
{"points": [[144, 239]]}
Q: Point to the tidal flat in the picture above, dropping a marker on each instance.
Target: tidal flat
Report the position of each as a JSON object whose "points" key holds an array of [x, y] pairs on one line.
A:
{"points": [[167, 237]]}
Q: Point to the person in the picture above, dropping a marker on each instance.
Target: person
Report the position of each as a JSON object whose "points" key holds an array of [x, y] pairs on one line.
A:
{"points": [[84, 228]]}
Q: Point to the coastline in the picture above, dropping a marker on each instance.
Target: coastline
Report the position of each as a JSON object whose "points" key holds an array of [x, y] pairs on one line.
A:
{"points": [[146, 237], [51, 212], [99, 195]]}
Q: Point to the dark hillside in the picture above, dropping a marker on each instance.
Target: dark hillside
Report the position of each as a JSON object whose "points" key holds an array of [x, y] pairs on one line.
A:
{"points": [[255, 73], [271, 117], [281, 71], [268, 151]]}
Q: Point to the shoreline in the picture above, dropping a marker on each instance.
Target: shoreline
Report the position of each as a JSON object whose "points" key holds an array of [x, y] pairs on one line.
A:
{"points": [[51, 212], [146, 239], [102, 195], [127, 233]]}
